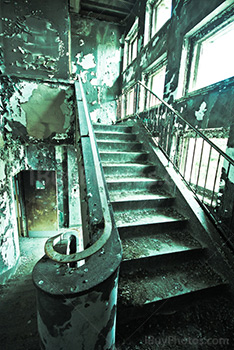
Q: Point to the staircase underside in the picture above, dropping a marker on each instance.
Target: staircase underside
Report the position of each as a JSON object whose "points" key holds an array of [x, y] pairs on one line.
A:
{"points": [[164, 262]]}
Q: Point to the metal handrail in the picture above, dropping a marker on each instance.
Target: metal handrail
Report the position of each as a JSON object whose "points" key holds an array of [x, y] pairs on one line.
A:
{"points": [[230, 160], [207, 177], [86, 131]]}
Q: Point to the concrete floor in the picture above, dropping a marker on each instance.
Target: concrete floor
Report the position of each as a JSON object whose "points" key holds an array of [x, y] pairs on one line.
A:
{"points": [[18, 326], [18, 321], [211, 319]]}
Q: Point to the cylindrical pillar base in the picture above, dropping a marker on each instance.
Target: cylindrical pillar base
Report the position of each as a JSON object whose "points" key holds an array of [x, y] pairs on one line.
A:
{"points": [[83, 321]]}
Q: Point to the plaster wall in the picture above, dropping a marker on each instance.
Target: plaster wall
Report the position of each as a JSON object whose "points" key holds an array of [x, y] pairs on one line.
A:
{"points": [[96, 57], [36, 127], [34, 38]]}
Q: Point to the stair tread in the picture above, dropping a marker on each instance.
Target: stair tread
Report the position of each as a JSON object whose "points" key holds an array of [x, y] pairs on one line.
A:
{"points": [[147, 216], [132, 165], [119, 142], [112, 179], [126, 125], [125, 196], [122, 152], [114, 132], [158, 244], [149, 286]]}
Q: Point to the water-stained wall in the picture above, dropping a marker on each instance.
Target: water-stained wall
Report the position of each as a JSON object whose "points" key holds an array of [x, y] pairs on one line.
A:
{"points": [[34, 38], [36, 133], [96, 56]]}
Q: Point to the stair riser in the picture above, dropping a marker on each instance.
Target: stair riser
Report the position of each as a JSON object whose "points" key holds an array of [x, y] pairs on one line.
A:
{"points": [[116, 146], [112, 128], [115, 137], [151, 262], [128, 170], [123, 157], [147, 204], [143, 230], [151, 187], [178, 303]]}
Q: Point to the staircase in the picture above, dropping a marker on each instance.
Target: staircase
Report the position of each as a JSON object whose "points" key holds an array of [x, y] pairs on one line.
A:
{"points": [[164, 260]]}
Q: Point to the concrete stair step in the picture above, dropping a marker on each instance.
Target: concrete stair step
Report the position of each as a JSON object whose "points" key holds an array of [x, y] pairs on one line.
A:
{"points": [[120, 157], [133, 184], [131, 169], [140, 247], [127, 146], [133, 230], [141, 201], [135, 196], [152, 286], [115, 136], [150, 216], [114, 128], [159, 249]]}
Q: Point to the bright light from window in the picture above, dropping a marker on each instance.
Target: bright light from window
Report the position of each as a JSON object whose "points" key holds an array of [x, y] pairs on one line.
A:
{"points": [[213, 59], [157, 13], [156, 84], [130, 102], [161, 13], [131, 42]]}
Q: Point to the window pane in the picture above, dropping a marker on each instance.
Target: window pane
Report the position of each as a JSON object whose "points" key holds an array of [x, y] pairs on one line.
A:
{"points": [[215, 59], [157, 82], [134, 49], [161, 13], [130, 102]]}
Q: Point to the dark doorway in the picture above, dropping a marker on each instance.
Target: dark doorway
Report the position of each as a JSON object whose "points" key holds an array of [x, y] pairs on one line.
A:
{"points": [[20, 205], [38, 193]]}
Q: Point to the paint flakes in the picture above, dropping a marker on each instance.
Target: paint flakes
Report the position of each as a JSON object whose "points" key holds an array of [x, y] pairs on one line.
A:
{"points": [[94, 81], [83, 76], [201, 112], [87, 61]]}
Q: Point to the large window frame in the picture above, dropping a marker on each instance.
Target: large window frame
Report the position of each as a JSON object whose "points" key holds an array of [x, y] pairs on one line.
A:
{"points": [[158, 12], [195, 73], [156, 72], [131, 45]]}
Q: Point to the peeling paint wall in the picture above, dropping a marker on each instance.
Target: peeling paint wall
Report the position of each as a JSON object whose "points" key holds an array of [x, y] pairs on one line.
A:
{"points": [[36, 127], [210, 107], [169, 40], [96, 56], [35, 38]]}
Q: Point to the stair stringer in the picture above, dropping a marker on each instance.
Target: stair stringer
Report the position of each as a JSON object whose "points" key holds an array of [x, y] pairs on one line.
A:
{"points": [[218, 255]]}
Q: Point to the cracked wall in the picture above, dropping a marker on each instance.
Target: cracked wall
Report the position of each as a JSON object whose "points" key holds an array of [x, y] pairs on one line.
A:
{"points": [[96, 57], [36, 131], [34, 38]]}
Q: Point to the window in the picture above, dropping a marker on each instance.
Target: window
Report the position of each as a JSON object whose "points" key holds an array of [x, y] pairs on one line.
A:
{"points": [[208, 55], [130, 102], [157, 14], [156, 84], [213, 58], [160, 14], [130, 46], [155, 80]]}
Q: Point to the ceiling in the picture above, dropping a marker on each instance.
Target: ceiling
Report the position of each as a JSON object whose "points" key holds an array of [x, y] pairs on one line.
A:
{"points": [[116, 11]]}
